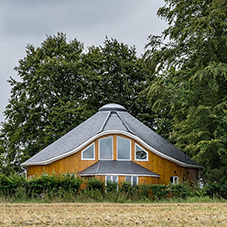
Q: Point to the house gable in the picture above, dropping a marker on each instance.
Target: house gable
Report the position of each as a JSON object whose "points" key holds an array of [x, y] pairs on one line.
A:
{"points": [[75, 164], [125, 133]]}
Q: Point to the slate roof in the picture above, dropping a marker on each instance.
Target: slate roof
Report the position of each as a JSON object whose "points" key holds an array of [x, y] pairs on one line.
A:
{"points": [[117, 168], [111, 118]]}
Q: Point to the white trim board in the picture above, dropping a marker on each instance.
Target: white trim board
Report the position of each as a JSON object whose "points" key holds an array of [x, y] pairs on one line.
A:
{"points": [[110, 132]]}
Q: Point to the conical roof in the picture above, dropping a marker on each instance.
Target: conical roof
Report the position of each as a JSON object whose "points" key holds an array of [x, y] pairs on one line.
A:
{"points": [[110, 119]]}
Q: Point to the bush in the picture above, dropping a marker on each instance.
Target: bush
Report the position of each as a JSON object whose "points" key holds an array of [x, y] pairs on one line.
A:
{"points": [[95, 184], [9, 185], [66, 188], [54, 185], [216, 184], [159, 192], [181, 190], [111, 186]]}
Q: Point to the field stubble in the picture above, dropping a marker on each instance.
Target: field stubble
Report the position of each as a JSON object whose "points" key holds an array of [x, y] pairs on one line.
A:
{"points": [[105, 214]]}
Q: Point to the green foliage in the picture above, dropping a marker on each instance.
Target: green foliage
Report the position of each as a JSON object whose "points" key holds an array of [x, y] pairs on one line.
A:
{"points": [[127, 188], [111, 186], [181, 190], [188, 80], [9, 185], [67, 188], [216, 184], [94, 184], [47, 185], [53, 183], [60, 85], [159, 192]]}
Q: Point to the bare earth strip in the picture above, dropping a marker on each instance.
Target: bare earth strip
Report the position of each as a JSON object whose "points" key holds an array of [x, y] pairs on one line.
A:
{"points": [[104, 214]]}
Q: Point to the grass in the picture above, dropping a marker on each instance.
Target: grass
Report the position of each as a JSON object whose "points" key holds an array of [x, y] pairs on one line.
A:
{"points": [[114, 214]]}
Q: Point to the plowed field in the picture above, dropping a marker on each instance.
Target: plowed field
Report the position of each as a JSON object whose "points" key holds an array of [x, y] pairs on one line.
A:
{"points": [[108, 214]]}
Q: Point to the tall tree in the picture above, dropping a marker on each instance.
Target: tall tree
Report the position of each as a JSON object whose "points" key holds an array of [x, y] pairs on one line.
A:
{"points": [[60, 86], [189, 66], [118, 76]]}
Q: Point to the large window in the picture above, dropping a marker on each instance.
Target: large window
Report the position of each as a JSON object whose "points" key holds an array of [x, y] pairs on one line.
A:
{"points": [[88, 153], [106, 148], [123, 148], [132, 180], [140, 154]]}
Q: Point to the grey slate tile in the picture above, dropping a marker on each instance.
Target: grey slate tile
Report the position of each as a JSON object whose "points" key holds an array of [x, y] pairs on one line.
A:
{"points": [[117, 168], [109, 117]]}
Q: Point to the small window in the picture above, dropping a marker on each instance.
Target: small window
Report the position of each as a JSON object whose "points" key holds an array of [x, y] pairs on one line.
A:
{"points": [[141, 154], [132, 180], [123, 148], [106, 148], [174, 179], [88, 153]]}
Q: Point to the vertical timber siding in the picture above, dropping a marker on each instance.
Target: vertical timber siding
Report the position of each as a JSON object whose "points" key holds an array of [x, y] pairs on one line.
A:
{"points": [[159, 165]]}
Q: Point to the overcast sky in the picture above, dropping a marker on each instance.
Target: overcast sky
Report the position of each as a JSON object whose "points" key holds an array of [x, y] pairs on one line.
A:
{"points": [[29, 21]]}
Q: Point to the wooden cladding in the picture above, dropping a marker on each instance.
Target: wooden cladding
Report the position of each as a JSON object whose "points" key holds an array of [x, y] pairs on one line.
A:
{"points": [[155, 163]]}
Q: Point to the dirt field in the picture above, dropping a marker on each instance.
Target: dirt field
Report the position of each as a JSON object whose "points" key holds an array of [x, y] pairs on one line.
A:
{"points": [[104, 214]]}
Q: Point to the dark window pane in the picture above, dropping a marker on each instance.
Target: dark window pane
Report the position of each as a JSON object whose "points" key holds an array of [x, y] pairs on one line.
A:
{"points": [[140, 153], [134, 181], [108, 178]]}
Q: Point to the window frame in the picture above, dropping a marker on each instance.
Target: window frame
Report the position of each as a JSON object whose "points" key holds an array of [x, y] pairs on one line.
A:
{"points": [[130, 149], [143, 160], [82, 158], [111, 176], [175, 180], [112, 147], [131, 180]]}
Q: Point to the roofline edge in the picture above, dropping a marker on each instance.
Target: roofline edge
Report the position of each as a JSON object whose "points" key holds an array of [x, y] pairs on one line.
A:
{"points": [[103, 133], [120, 174]]}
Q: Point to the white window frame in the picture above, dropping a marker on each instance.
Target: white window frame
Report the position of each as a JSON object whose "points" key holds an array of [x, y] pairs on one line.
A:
{"points": [[112, 147], [130, 153], [175, 179], [137, 179], [143, 160], [82, 158], [111, 176]]}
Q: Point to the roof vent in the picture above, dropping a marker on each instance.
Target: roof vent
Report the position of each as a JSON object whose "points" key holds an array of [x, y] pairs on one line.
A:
{"points": [[112, 107]]}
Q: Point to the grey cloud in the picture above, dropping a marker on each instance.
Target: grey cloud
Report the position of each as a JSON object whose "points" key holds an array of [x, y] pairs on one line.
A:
{"points": [[25, 22]]}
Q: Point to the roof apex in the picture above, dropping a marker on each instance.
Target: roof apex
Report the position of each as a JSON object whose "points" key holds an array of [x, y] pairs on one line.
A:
{"points": [[112, 107]]}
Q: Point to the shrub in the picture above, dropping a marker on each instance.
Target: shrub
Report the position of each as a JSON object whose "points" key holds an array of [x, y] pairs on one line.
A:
{"points": [[181, 190], [159, 192], [9, 185], [126, 187], [95, 184], [54, 185], [216, 184], [111, 186], [145, 191]]}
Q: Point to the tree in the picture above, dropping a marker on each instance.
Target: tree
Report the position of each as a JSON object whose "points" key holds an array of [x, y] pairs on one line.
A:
{"points": [[189, 66], [117, 75], [61, 85]]}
